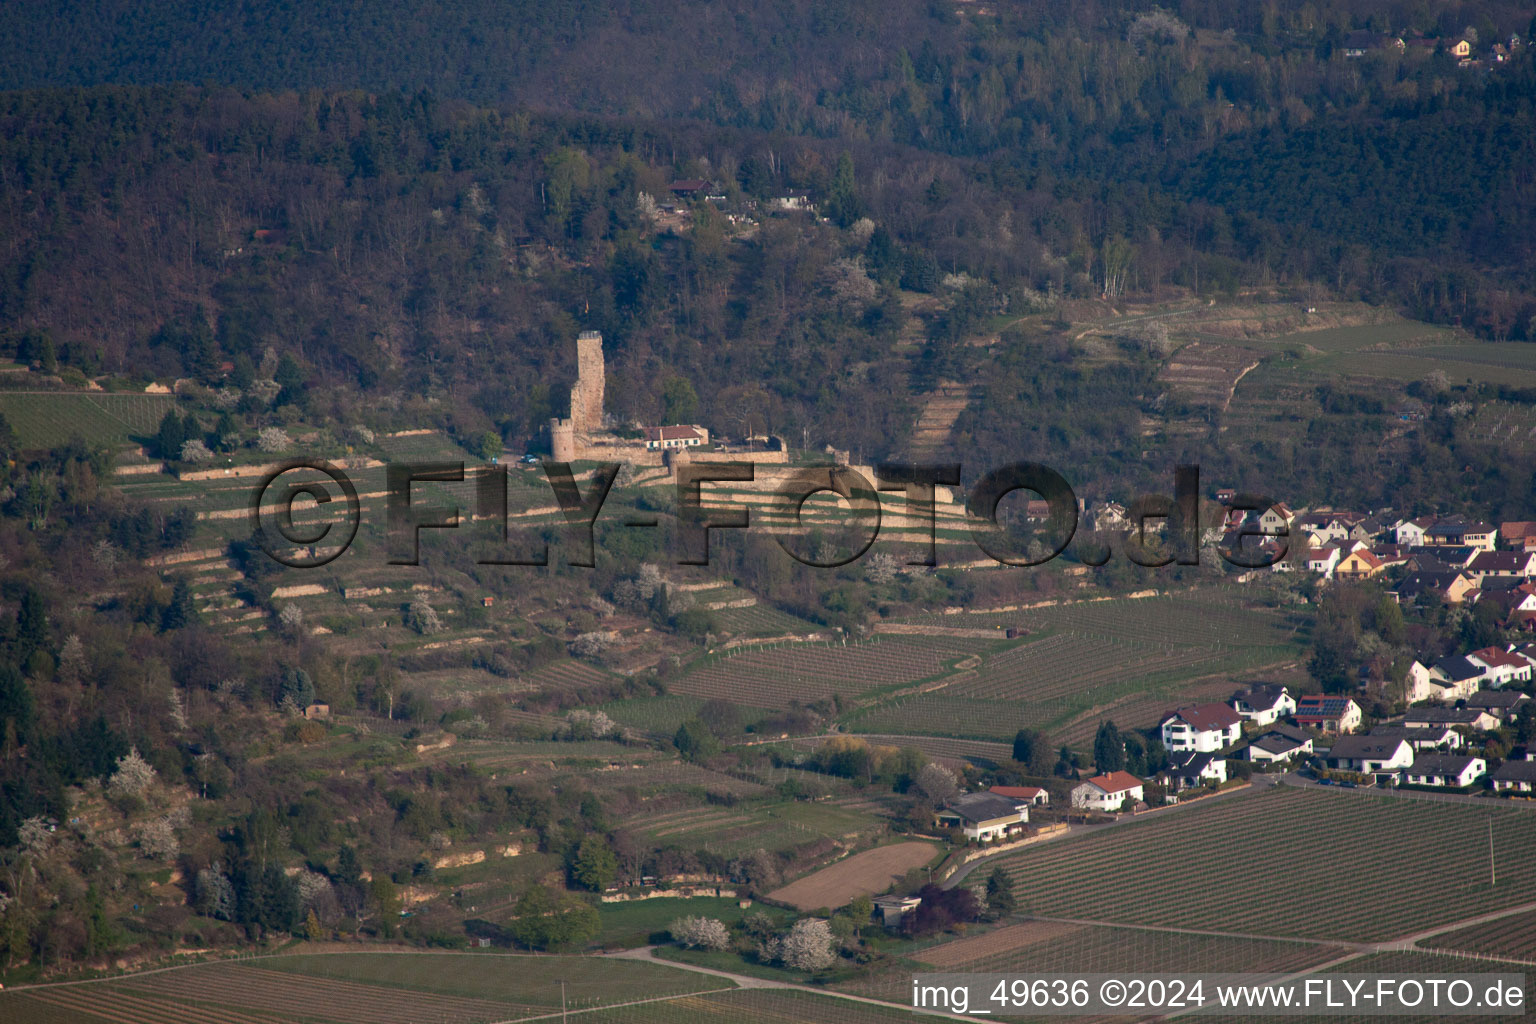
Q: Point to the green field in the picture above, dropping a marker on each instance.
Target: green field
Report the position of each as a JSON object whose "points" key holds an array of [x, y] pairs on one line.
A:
{"points": [[633, 923], [1376, 867], [46, 420]]}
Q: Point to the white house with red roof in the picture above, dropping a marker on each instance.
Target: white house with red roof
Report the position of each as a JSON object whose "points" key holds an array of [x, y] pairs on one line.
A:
{"points": [[1203, 728], [1107, 792], [1503, 666]]}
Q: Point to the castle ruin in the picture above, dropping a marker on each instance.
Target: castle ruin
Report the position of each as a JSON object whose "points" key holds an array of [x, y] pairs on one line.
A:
{"points": [[582, 436]]}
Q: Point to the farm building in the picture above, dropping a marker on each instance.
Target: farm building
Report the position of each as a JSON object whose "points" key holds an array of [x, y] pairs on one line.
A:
{"points": [[890, 911], [984, 816], [1367, 754], [1032, 795], [1204, 728], [1515, 777], [1454, 771], [1279, 743], [1108, 792], [1330, 714], [1263, 703]]}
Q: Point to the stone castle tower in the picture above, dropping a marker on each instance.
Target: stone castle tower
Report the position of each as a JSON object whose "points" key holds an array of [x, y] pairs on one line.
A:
{"points": [[568, 436]]}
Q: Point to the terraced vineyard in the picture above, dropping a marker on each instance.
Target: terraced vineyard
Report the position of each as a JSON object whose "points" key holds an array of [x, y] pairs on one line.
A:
{"points": [[772, 678], [49, 419], [1131, 658], [1228, 863], [731, 831]]}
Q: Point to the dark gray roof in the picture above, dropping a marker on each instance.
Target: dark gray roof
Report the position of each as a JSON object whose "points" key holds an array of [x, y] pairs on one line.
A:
{"points": [[1501, 700], [1444, 716], [1260, 697], [1190, 763], [1458, 667], [982, 806], [1356, 748], [1439, 764], [1516, 771]]}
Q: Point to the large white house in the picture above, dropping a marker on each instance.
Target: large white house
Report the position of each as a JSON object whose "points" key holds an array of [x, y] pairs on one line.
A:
{"points": [[1263, 704], [1107, 792], [1202, 728]]}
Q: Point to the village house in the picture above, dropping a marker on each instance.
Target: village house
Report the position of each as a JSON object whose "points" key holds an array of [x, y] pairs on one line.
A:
{"points": [[1204, 728], [672, 437], [1328, 713], [1277, 518], [1263, 703], [1442, 558], [1515, 564], [1440, 737], [1368, 754], [1515, 777], [1464, 718], [1459, 532], [1451, 771], [1108, 792], [1361, 563], [1409, 533], [1191, 771], [1458, 677], [1520, 536], [1516, 599], [1323, 560], [1279, 743], [1507, 704], [1419, 684], [983, 816], [1034, 796], [1110, 516], [1451, 586], [1501, 667]]}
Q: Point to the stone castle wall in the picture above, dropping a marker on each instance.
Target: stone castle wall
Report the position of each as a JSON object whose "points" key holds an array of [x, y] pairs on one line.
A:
{"points": [[587, 395]]}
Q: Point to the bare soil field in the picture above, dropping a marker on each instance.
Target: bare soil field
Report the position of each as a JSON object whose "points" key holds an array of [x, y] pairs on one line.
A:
{"points": [[859, 875], [1005, 940]]}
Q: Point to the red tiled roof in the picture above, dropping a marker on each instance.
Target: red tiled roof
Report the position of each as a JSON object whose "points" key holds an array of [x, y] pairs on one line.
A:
{"points": [[1115, 782], [1017, 792], [1497, 656], [1206, 716]]}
